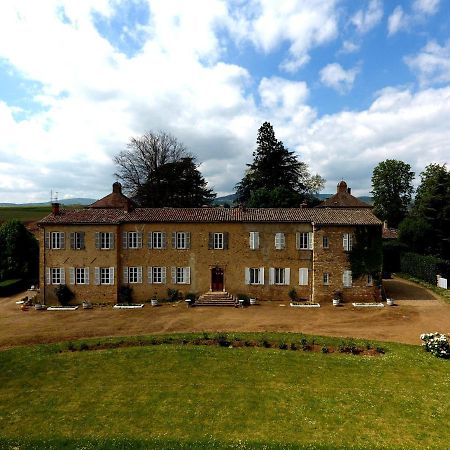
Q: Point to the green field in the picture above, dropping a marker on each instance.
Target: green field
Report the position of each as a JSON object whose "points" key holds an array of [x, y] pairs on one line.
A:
{"points": [[27, 213], [197, 396]]}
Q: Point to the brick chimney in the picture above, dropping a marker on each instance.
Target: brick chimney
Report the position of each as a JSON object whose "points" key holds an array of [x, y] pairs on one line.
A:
{"points": [[55, 208], [117, 188], [342, 186]]}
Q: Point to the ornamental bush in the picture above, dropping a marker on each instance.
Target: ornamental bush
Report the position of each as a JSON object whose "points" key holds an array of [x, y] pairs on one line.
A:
{"points": [[437, 344]]}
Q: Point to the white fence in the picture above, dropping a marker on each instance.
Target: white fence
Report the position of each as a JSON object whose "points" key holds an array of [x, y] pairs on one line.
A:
{"points": [[442, 282]]}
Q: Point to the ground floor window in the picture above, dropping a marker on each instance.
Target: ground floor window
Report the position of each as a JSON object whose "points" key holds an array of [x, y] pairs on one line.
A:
{"points": [[135, 275], [347, 278], [279, 275], [57, 275], [181, 275], [106, 275], [369, 280], [82, 275], [326, 278], [254, 275], [156, 275]]}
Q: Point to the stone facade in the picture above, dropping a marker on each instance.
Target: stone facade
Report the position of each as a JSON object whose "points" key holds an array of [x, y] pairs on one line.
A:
{"points": [[144, 254]]}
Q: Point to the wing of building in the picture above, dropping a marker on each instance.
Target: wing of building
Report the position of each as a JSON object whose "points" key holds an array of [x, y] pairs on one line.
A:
{"points": [[261, 252]]}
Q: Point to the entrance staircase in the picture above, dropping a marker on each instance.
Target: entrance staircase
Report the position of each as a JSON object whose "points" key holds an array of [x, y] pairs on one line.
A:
{"points": [[215, 298]]}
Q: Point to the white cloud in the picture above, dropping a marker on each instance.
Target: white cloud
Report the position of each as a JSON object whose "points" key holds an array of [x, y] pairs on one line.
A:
{"points": [[349, 47], [397, 21], [336, 77], [426, 6], [431, 64], [365, 20]]}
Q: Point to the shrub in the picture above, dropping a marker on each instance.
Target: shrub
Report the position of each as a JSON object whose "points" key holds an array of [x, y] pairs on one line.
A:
{"points": [[437, 344], [173, 295], [125, 294], [293, 295], [294, 346], [64, 294], [191, 296], [11, 287], [425, 267], [324, 349], [283, 346], [222, 340], [244, 297]]}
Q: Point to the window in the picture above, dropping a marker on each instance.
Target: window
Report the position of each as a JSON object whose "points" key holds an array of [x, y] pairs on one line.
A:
{"points": [[254, 275], [156, 275], [303, 276], [326, 278], [157, 240], [347, 241], [304, 241], [181, 240], [132, 275], [279, 275], [104, 241], [132, 239], [77, 241], [181, 275], [347, 278], [57, 240], [254, 240], [369, 280], [280, 241], [82, 275], [106, 275], [325, 242], [56, 275], [218, 241]]}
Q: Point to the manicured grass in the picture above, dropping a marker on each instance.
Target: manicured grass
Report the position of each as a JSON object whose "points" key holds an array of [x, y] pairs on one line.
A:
{"points": [[184, 396], [443, 293]]}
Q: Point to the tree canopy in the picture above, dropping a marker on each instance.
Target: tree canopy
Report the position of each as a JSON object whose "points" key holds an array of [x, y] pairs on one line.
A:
{"points": [[157, 170], [427, 229], [19, 251], [392, 190], [276, 177]]}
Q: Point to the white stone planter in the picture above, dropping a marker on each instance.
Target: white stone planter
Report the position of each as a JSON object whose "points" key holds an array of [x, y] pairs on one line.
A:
{"points": [[368, 305], [241, 302], [87, 305], [336, 302], [62, 308], [253, 301], [137, 306], [305, 305], [390, 301], [154, 302], [39, 306]]}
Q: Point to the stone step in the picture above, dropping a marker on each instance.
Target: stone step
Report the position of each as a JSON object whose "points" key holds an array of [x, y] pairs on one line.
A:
{"points": [[215, 299]]}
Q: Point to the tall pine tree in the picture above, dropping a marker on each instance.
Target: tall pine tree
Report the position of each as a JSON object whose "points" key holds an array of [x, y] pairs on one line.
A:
{"points": [[276, 177]]}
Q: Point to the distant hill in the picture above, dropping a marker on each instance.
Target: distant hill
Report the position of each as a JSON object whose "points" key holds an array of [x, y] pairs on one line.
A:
{"points": [[66, 202]]}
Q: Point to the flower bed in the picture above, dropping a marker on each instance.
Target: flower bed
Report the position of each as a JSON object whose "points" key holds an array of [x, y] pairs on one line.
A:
{"points": [[437, 344], [62, 308], [304, 305], [368, 305], [121, 306]]}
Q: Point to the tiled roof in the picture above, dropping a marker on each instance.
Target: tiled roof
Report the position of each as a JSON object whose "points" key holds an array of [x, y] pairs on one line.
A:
{"points": [[390, 233], [336, 216], [343, 200]]}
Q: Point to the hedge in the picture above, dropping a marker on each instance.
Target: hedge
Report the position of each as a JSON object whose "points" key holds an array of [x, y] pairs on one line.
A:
{"points": [[11, 287], [425, 267]]}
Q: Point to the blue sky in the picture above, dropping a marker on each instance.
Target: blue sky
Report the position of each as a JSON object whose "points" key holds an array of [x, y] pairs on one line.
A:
{"points": [[346, 84]]}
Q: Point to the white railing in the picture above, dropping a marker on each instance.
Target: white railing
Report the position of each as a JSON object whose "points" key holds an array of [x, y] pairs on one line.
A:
{"points": [[441, 282]]}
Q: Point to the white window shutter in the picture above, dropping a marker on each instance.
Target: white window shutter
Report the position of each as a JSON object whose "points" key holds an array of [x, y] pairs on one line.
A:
{"points": [[174, 239], [47, 239], [188, 275], [71, 275], [271, 275], [62, 240], [125, 240], [174, 275], [297, 241], [140, 274], [283, 241], [345, 241], [97, 239], [48, 278], [111, 275], [72, 240], [86, 275], [139, 239], [150, 275], [188, 239], [97, 275], [251, 241], [277, 241], [350, 241], [149, 240], [163, 240], [287, 275], [303, 277], [163, 275], [310, 241], [347, 278], [63, 275], [247, 275], [261, 275], [112, 236], [125, 275]]}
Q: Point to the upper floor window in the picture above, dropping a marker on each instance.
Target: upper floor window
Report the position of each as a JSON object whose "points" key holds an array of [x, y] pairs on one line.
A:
{"points": [[156, 275], [132, 239], [218, 241], [254, 275], [304, 241], [104, 240], [181, 240], [55, 240], [325, 242], [181, 275], [157, 240], [280, 242], [77, 240], [347, 241], [254, 240], [347, 278], [279, 275]]}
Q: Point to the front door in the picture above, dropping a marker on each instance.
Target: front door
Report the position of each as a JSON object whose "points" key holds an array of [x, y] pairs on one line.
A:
{"points": [[217, 279]]}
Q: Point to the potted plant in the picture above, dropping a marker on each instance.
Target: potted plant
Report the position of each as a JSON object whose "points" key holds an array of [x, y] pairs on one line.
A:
{"points": [[190, 299], [293, 295], [337, 298], [154, 300]]}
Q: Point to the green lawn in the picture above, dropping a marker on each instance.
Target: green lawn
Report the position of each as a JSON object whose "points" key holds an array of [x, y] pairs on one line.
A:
{"points": [[185, 396], [28, 213]]}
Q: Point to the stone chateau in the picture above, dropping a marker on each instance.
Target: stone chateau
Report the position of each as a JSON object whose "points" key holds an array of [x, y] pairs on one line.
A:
{"points": [[261, 252]]}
